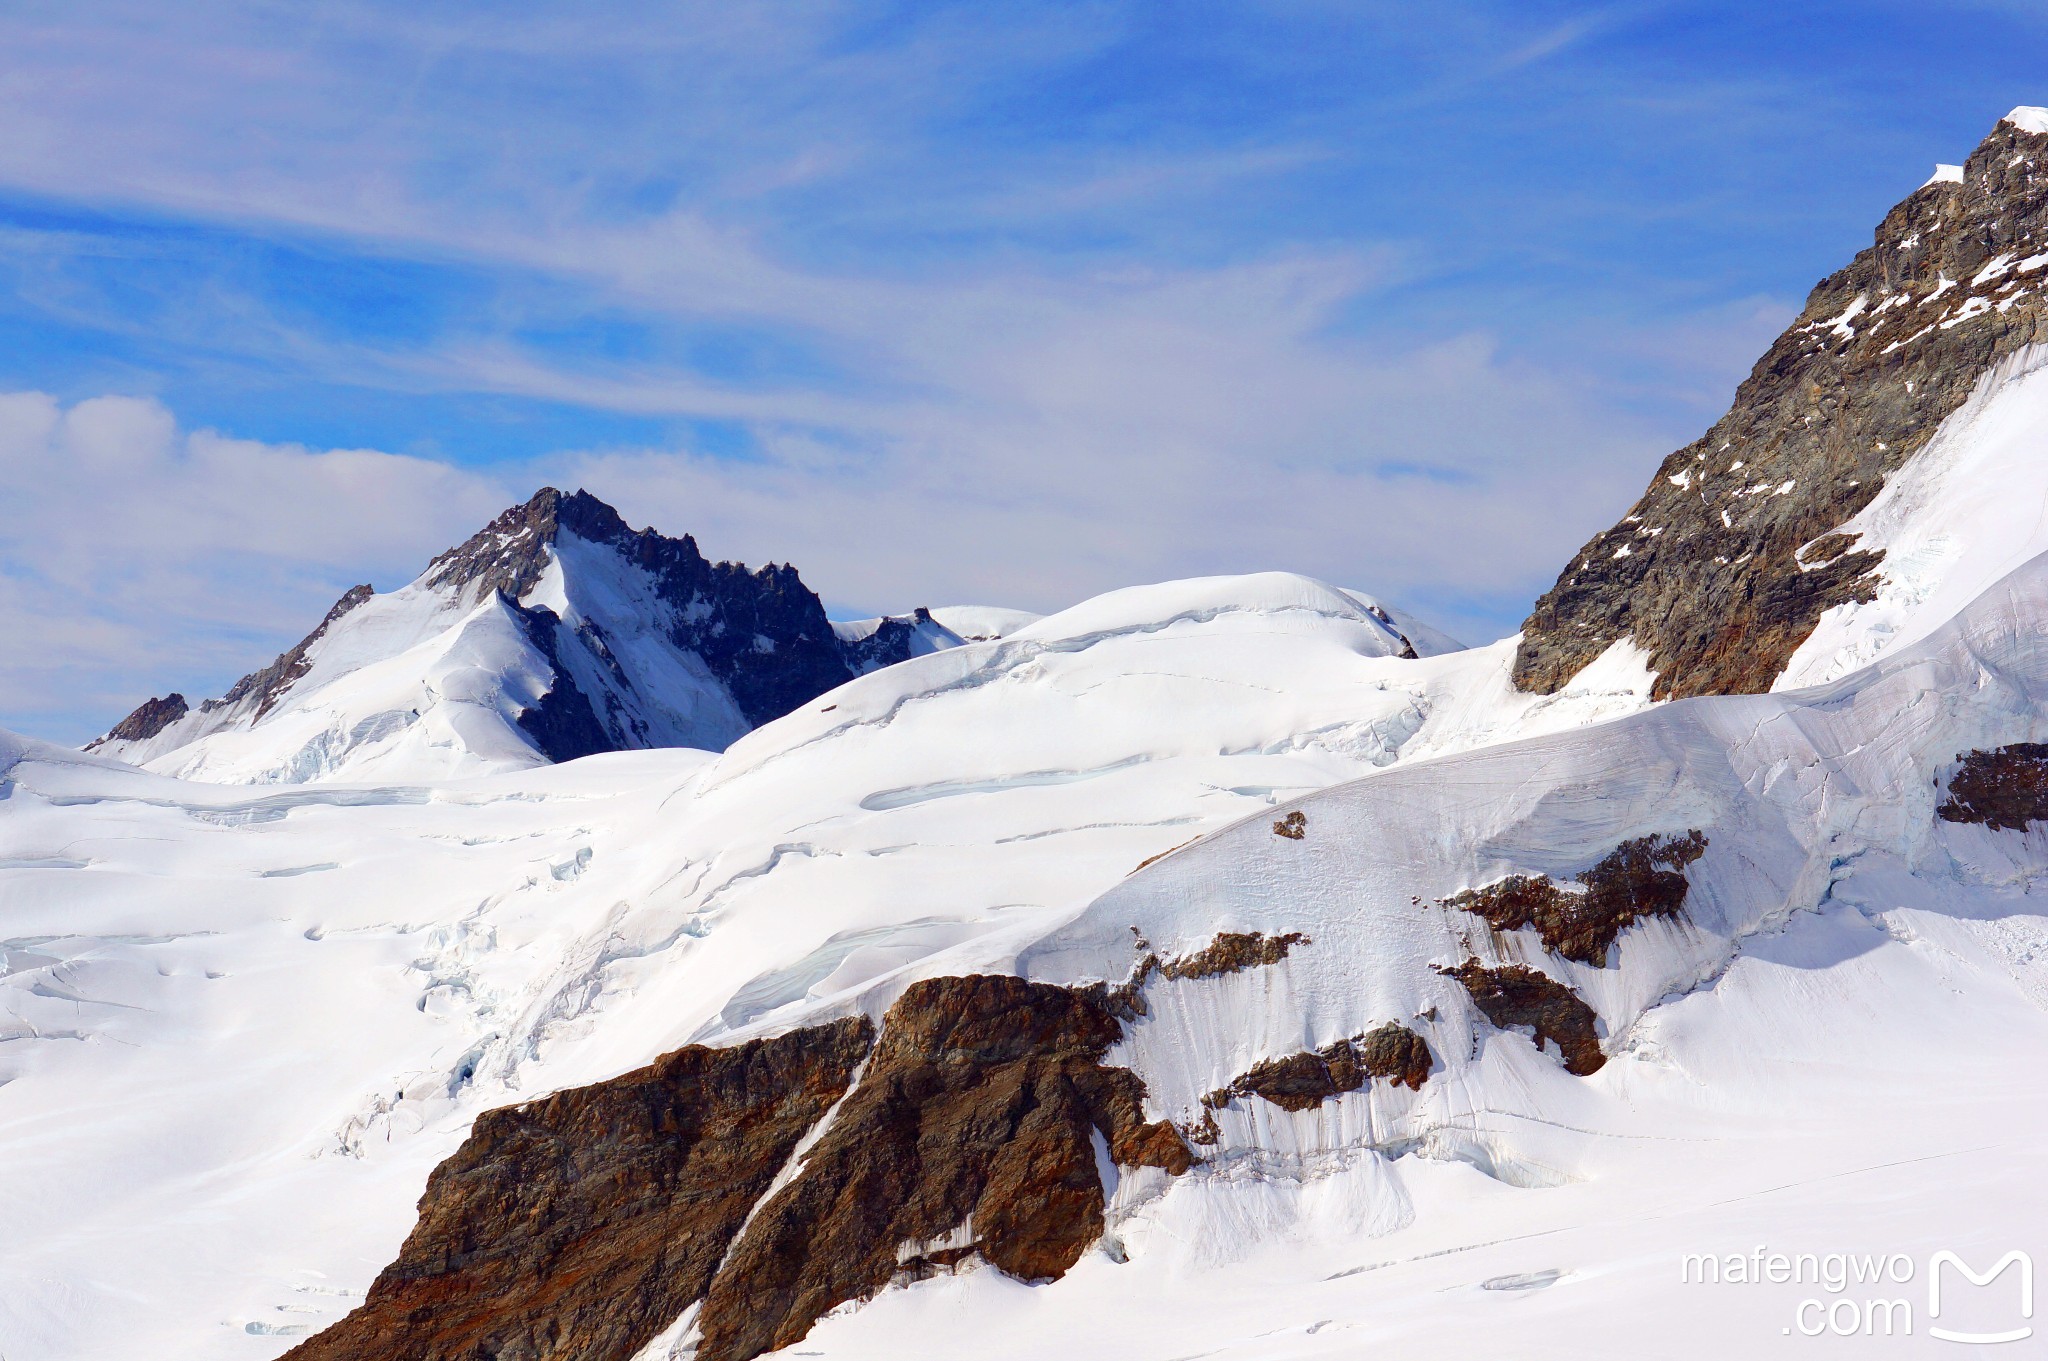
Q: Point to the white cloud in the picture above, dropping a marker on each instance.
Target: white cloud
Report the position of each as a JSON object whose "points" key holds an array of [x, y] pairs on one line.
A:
{"points": [[1156, 441], [137, 558], [1009, 422]]}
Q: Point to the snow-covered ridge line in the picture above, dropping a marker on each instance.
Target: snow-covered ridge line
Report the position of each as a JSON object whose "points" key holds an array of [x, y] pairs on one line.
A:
{"points": [[2028, 118], [554, 632]]}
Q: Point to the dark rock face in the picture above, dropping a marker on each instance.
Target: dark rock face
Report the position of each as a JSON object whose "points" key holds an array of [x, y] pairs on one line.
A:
{"points": [[1513, 995], [564, 724], [150, 717], [1395, 1052], [1232, 952], [762, 633], [2004, 789], [1293, 827], [1299, 1081], [1637, 879], [888, 644], [979, 1109], [1722, 568], [579, 1226]]}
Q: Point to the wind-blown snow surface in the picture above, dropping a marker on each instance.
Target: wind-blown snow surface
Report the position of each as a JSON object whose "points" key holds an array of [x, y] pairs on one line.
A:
{"points": [[243, 1024]]}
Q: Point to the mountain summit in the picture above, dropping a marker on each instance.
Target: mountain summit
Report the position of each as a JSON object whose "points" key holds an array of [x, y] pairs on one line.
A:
{"points": [[554, 632], [1750, 536]]}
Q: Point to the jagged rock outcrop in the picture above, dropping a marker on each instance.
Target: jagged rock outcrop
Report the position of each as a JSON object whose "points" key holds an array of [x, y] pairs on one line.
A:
{"points": [[1231, 952], [1637, 879], [1515, 995], [977, 1116], [148, 719], [2003, 789], [762, 633], [1300, 1081], [579, 1226], [895, 638], [1723, 567]]}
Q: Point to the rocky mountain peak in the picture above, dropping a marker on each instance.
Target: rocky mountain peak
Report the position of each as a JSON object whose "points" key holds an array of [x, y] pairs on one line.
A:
{"points": [[149, 718], [510, 553], [640, 642], [1726, 564]]}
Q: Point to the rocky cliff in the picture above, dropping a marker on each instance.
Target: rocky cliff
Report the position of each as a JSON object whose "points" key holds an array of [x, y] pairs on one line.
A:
{"points": [[1724, 566], [761, 632], [579, 1227]]}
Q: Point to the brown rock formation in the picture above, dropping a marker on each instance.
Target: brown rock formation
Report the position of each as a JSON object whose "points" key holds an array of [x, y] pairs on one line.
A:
{"points": [[979, 1109], [1724, 566], [1513, 995], [577, 1227], [1300, 1081], [1232, 952], [1637, 879], [149, 718], [1395, 1052], [2004, 789], [1293, 827]]}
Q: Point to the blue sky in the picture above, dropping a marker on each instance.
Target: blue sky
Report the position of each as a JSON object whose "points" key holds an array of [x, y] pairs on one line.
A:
{"points": [[1007, 303]]}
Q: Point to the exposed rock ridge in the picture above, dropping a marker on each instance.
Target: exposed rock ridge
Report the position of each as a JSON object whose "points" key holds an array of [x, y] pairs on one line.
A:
{"points": [[268, 686], [1228, 952], [148, 719], [508, 554], [1723, 567], [577, 1227], [890, 643], [1637, 879], [761, 632], [2003, 789]]}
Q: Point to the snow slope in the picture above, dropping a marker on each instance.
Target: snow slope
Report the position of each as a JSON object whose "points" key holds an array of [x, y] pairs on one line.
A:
{"points": [[242, 1024], [1966, 510], [194, 947], [1832, 1053]]}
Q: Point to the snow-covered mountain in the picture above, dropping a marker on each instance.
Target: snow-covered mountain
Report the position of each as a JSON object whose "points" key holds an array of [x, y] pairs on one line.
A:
{"points": [[1229, 967], [555, 632], [1861, 488]]}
